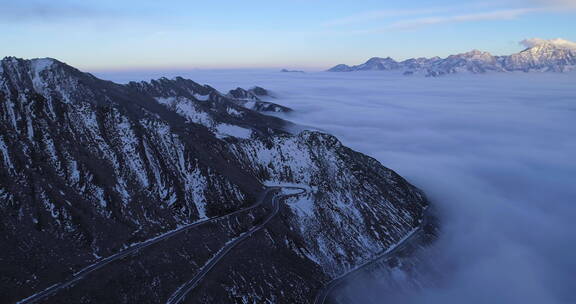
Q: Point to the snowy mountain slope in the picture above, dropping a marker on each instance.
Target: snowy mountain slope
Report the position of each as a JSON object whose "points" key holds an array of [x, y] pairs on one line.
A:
{"points": [[89, 166], [548, 57], [353, 195], [545, 57]]}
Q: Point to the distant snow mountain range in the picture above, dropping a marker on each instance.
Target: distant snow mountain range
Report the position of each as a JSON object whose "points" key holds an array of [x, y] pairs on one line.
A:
{"points": [[544, 57]]}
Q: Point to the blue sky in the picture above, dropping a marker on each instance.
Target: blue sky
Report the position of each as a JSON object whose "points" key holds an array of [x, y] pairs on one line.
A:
{"points": [[128, 34]]}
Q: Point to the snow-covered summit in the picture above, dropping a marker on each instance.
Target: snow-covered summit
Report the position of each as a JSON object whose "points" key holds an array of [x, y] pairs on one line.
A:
{"points": [[546, 56], [37, 64]]}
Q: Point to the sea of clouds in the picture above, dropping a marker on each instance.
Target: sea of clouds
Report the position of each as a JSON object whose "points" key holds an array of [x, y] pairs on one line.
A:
{"points": [[495, 153]]}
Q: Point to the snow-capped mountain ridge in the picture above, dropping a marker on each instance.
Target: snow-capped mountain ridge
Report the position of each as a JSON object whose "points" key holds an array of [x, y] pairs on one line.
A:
{"points": [[544, 57], [89, 166]]}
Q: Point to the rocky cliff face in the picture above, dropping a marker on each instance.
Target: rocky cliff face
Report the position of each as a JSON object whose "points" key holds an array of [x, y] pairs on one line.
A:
{"points": [[89, 167], [547, 57]]}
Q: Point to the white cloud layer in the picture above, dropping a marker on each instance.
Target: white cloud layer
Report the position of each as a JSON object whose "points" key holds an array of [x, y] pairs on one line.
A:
{"points": [[532, 42]]}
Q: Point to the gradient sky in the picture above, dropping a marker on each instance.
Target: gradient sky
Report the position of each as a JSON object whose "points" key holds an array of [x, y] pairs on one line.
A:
{"points": [[105, 34]]}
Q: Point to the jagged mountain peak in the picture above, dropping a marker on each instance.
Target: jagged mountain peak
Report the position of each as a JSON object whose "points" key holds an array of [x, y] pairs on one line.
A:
{"points": [[340, 68], [36, 65], [378, 63], [55, 80], [475, 54], [381, 59], [251, 94], [39, 65], [252, 99], [548, 48], [259, 91], [16, 60], [178, 86], [240, 93]]}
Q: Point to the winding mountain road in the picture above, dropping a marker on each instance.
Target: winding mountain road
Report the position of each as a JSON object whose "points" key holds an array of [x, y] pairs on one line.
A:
{"points": [[324, 293], [267, 195], [181, 293]]}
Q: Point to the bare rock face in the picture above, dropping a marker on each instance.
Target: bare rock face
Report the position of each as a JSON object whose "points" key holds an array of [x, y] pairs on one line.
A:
{"points": [[89, 167], [546, 57]]}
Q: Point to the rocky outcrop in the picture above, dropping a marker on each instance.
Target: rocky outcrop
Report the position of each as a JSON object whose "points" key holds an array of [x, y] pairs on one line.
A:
{"points": [[252, 99]]}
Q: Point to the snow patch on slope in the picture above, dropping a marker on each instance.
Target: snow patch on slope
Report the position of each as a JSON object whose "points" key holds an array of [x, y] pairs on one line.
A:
{"points": [[226, 130], [185, 107]]}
